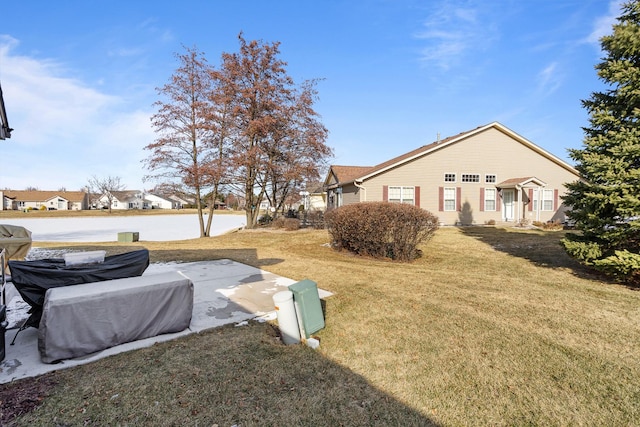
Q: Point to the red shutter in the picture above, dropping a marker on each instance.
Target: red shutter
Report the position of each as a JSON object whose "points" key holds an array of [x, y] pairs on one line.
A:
{"points": [[498, 201], [481, 199], [530, 199], [555, 200], [417, 195], [441, 199], [385, 193], [459, 198]]}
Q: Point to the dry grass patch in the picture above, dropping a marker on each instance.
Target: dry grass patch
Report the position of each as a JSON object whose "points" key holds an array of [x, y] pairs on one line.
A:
{"points": [[491, 326]]}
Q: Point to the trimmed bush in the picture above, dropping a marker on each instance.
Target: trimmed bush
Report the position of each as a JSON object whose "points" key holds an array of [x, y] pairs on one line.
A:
{"points": [[381, 229], [291, 224]]}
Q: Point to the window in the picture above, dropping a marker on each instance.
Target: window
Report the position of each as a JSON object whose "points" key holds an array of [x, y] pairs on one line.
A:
{"points": [[489, 199], [402, 195], [489, 179], [449, 177], [470, 177], [546, 204], [449, 199], [547, 200]]}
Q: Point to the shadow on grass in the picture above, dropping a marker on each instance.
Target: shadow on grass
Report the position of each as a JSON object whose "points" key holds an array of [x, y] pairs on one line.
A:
{"points": [[540, 247], [225, 376]]}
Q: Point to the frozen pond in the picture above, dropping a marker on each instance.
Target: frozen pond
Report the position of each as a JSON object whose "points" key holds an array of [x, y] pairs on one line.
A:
{"points": [[149, 227]]}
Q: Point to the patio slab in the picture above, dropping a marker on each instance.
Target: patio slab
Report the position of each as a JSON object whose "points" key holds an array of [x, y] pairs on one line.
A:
{"points": [[225, 292]]}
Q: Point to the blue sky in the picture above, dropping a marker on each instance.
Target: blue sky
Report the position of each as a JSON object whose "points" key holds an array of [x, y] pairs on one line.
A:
{"points": [[79, 77]]}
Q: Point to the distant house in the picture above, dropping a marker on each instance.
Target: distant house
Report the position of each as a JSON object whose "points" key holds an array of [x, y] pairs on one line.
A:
{"points": [[180, 202], [49, 200], [483, 175], [126, 199], [317, 197], [152, 201]]}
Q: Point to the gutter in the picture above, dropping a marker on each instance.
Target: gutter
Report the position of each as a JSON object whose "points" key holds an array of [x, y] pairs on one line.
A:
{"points": [[364, 190]]}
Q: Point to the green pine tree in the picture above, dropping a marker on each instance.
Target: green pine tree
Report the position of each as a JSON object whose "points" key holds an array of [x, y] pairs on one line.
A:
{"points": [[606, 202]]}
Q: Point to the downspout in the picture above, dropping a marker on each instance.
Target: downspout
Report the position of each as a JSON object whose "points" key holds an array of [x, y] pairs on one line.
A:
{"points": [[519, 203], [364, 190]]}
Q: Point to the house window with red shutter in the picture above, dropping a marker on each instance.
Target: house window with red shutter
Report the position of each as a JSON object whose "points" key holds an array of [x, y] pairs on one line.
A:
{"points": [[402, 195], [489, 199], [449, 197]]}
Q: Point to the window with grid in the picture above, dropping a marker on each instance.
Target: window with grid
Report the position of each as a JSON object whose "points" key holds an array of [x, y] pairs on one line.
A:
{"points": [[489, 179], [449, 177], [402, 195], [546, 204], [449, 199], [489, 199], [470, 177]]}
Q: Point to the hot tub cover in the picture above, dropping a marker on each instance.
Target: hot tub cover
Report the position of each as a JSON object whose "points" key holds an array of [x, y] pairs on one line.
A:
{"points": [[33, 278]]}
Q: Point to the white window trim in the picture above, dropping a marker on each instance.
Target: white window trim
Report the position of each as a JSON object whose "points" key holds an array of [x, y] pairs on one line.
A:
{"points": [[494, 200], [539, 199], [455, 177], [470, 174], [444, 199], [402, 188]]}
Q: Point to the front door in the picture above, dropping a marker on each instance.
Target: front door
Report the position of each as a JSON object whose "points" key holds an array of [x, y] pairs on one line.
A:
{"points": [[508, 205]]}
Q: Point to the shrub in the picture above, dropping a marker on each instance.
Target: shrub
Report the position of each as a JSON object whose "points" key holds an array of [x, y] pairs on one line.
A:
{"points": [[265, 219], [291, 224], [549, 225], [381, 229], [278, 222]]}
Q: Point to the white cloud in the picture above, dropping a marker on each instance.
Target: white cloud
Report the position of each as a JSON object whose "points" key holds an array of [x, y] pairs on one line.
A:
{"points": [[64, 130], [603, 25], [453, 31], [548, 79]]}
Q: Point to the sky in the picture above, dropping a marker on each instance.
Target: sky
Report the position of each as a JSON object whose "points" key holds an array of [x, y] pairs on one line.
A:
{"points": [[79, 77]]}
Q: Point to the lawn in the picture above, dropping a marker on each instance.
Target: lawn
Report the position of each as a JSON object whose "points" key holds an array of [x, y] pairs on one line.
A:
{"points": [[492, 326]]}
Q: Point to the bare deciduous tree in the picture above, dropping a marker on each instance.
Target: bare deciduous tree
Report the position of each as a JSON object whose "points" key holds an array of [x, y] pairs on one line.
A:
{"points": [[106, 186], [188, 147]]}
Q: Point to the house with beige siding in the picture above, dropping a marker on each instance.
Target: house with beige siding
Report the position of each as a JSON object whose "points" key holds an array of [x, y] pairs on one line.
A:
{"points": [[44, 200], [476, 177]]}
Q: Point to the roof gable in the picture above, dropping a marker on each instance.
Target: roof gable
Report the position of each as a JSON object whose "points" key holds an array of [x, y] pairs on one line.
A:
{"points": [[343, 174], [441, 144]]}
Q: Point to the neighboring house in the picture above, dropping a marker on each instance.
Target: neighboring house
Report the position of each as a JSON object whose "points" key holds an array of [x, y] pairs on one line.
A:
{"points": [[152, 201], [487, 174], [127, 199], [50, 200], [180, 202], [317, 198]]}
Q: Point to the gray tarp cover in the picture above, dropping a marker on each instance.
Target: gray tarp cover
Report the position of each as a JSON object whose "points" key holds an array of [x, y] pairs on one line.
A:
{"points": [[79, 320]]}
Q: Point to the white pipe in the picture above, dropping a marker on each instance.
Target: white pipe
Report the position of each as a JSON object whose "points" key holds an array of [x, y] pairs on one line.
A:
{"points": [[287, 318]]}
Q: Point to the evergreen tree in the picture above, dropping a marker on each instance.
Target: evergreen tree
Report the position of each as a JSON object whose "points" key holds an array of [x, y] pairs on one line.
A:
{"points": [[606, 202]]}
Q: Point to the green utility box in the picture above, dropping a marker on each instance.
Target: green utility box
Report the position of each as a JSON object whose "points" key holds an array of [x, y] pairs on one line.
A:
{"points": [[308, 307], [128, 236]]}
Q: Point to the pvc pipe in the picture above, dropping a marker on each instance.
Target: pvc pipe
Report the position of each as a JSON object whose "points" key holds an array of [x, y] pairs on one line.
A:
{"points": [[287, 318]]}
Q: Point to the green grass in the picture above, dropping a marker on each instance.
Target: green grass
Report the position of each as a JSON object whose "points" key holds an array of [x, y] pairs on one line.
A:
{"points": [[492, 326]]}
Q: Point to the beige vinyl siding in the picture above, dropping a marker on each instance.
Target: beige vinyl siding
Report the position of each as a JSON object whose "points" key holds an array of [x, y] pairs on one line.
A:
{"points": [[350, 194], [490, 152]]}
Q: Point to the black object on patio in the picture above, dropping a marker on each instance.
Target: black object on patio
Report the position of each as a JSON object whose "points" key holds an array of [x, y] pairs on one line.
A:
{"points": [[33, 278]]}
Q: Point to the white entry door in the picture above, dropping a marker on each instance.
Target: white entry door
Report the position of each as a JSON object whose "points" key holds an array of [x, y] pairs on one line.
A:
{"points": [[508, 205]]}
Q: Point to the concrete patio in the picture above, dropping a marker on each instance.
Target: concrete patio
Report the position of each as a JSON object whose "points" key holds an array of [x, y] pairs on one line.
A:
{"points": [[225, 292]]}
